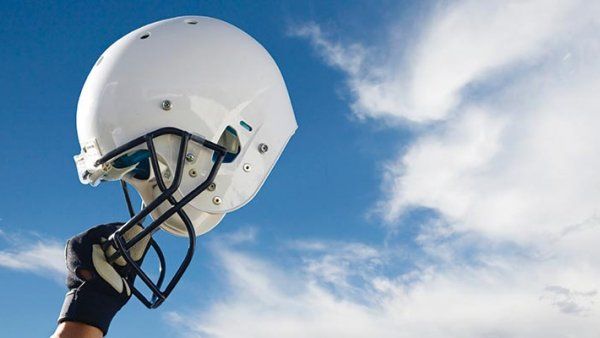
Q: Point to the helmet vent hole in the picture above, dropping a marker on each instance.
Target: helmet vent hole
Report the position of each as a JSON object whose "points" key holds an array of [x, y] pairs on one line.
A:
{"points": [[145, 36], [230, 140], [99, 60], [191, 22], [246, 125]]}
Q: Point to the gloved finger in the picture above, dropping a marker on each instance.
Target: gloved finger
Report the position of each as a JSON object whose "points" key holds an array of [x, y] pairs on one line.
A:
{"points": [[104, 230], [127, 289], [72, 259], [137, 251], [78, 253], [107, 271]]}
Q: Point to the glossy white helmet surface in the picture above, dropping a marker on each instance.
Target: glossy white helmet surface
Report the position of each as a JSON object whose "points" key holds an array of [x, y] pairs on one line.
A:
{"points": [[201, 75]]}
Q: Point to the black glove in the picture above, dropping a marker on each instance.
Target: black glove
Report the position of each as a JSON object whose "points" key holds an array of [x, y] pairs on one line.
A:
{"points": [[97, 289]]}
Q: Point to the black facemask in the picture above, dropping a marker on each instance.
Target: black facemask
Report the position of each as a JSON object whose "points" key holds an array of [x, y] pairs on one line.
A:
{"points": [[148, 160]]}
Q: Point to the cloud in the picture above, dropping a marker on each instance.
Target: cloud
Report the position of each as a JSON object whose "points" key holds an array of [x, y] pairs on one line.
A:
{"points": [[501, 297], [338, 263], [42, 257], [461, 44], [511, 87], [349, 58], [569, 301], [506, 155]]}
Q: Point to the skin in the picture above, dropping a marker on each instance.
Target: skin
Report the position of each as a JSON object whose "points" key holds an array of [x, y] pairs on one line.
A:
{"points": [[76, 330]]}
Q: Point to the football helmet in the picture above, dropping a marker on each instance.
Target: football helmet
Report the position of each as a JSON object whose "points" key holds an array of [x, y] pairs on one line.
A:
{"points": [[191, 112]]}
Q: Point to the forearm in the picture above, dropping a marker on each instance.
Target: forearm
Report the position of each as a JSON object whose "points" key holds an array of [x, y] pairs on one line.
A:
{"points": [[76, 330]]}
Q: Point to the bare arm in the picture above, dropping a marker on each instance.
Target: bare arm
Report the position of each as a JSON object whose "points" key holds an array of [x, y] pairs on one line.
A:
{"points": [[76, 330]]}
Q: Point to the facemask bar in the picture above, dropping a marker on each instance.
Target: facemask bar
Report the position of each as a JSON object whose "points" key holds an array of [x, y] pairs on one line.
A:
{"points": [[162, 264], [118, 241]]}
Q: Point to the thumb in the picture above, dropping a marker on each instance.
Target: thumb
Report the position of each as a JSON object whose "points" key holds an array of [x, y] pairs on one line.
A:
{"points": [[137, 251], [107, 272]]}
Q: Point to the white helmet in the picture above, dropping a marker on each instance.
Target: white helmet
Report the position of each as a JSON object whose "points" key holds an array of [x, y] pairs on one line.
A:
{"points": [[181, 90]]}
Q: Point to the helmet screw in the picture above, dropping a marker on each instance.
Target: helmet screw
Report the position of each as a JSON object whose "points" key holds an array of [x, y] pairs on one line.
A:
{"points": [[263, 148], [247, 167], [193, 172], [167, 173], [212, 187], [190, 157], [166, 105], [217, 200]]}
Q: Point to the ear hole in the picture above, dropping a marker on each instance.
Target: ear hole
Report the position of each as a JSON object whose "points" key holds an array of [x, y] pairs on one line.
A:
{"points": [[140, 159], [230, 140]]}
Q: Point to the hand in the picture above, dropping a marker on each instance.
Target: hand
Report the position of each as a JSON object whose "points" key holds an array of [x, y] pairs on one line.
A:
{"points": [[97, 289]]}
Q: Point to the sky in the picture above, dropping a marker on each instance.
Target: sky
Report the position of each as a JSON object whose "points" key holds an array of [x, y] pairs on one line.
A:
{"points": [[443, 181]]}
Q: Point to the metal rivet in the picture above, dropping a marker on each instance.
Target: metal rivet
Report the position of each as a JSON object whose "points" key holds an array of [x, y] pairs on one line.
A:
{"points": [[193, 172], [247, 167], [263, 148], [190, 157], [217, 200], [167, 173], [166, 105], [212, 187]]}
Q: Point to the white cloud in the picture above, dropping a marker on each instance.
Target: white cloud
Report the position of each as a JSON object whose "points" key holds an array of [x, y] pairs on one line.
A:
{"points": [[42, 257], [349, 58], [525, 173], [513, 87], [474, 40], [461, 44], [501, 297], [336, 263], [506, 97], [569, 301], [519, 163]]}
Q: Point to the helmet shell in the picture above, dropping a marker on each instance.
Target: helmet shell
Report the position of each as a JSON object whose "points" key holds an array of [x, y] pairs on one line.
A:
{"points": [[214, 76]]}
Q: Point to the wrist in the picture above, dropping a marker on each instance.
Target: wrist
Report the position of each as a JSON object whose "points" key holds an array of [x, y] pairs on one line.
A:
{"points": [[91, 305]]}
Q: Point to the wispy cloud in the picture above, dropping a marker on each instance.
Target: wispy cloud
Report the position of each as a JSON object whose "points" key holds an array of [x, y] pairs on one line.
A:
{"points": [[347, 267], [512, 87], [570, 301], [505, 93], [501, 297], [461, 44], [44, 257]]}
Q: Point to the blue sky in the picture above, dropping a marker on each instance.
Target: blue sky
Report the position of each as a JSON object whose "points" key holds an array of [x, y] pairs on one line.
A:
{"points": [[442, 182]]}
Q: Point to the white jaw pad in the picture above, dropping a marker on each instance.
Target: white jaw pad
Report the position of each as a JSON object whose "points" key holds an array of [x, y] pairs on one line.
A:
{"points": [[203, 222]]}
